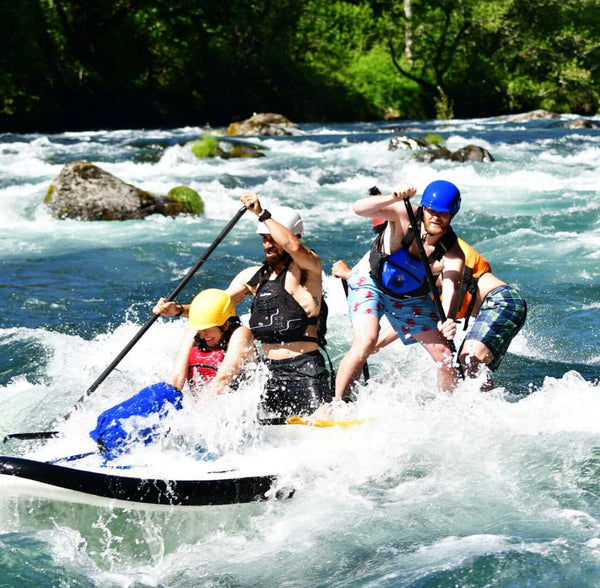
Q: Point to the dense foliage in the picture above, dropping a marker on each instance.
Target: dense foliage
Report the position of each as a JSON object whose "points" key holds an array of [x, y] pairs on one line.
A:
{"points": [[71, 64]]}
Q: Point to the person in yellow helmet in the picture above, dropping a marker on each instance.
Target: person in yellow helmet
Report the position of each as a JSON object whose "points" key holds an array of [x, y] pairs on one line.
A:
{"points": [[215, 348], [212, 354]]}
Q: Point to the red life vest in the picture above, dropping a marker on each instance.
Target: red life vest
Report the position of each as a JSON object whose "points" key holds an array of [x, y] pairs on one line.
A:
{"points": [[203, 365]]}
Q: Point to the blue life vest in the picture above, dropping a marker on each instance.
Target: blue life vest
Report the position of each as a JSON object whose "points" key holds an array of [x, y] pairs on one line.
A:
{"points": [[114, 438], [400, 275]]}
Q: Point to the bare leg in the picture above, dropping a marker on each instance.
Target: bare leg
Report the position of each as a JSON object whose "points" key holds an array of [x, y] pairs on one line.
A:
{"points": [[437, 346], [473, 356], [366, 330]]}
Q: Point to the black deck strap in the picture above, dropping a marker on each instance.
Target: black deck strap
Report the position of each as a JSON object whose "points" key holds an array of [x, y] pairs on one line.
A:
{"points": [[471, 288], [258, 277]]}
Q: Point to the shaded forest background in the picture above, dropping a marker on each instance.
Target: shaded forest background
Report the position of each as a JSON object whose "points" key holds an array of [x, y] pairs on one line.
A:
{"points": [[83, 64]]}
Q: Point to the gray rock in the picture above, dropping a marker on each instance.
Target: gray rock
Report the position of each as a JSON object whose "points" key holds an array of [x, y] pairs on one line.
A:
{"points": [[84, 191], [533, 115], [426, 151], [405, 143], [266, 123], [471, 153]]}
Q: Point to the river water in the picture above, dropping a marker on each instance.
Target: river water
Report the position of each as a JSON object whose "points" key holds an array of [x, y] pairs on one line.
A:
{"points": [[433, 490]]}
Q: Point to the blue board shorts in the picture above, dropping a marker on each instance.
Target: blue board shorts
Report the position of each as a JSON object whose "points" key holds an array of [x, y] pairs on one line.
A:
{"points": [[408, 316], [500, 318]]}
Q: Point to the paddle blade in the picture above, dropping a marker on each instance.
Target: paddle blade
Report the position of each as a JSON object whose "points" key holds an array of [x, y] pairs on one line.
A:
{"points": [[31, 436]]}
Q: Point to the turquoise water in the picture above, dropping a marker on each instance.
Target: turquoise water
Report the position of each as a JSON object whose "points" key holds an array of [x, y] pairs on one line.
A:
{"points": [[467, 490]]}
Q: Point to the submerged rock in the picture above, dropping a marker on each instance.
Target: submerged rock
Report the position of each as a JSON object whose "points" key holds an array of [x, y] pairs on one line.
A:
{"points": [[581, 123], [427, 151], [84, 191], [225, 148]]}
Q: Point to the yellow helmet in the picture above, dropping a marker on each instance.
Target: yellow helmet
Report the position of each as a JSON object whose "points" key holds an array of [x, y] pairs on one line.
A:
{"points": [[210, 308]]}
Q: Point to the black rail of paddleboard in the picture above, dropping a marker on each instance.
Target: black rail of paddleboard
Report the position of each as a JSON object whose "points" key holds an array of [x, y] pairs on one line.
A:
{"points": [[147, 491]]}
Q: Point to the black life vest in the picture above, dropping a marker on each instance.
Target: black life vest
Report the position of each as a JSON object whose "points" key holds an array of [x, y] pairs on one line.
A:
{"points": [[400, 275], [276, 317]]}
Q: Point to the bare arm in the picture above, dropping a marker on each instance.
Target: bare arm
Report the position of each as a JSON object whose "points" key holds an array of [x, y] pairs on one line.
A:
{"points": [[305, 258], [340, 269], [454, 265], [385, 206], [179, 370], [240, 352], [238, 289]]}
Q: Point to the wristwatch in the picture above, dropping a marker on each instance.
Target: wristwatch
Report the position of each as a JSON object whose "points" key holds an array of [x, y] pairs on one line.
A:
{"points": [[264, 215]]}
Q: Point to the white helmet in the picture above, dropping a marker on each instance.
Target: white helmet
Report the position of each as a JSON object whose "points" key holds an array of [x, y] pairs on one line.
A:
{"points": [[286, 216]]}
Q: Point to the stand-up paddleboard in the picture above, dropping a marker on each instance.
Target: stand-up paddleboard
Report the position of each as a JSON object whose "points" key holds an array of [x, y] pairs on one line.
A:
{"points": [[214, 488]]}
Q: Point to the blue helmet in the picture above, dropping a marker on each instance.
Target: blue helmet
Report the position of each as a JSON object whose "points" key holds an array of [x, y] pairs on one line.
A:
{"points": [[441, 196]]}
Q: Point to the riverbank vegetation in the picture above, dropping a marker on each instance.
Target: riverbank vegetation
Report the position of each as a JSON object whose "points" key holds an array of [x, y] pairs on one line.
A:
{"points": [[69, 64]]}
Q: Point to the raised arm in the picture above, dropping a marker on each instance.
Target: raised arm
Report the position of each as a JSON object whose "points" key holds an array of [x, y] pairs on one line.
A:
{"points": [[385, 206], [303, 256]]}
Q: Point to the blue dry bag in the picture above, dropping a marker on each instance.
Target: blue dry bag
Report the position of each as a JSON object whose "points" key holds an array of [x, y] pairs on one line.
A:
{"points": [[114, 438]]}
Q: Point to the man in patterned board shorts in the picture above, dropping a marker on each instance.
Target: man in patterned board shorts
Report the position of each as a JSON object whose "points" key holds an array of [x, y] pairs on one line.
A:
{"points": [[409, 309]]}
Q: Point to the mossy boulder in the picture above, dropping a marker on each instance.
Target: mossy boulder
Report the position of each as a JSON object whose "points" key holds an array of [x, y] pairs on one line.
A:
{"points": [[225, 148], [188, 197], [84, 191], [205, 146]]}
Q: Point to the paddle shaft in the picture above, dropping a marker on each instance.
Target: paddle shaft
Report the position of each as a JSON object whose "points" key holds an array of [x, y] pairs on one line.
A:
{"points": [[140, 333], [171, 297], [261, 421]]}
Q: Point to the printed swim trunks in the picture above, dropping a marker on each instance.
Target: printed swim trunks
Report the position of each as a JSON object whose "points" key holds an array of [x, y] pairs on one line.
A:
{"points": [[500, 318], [408, 316]]}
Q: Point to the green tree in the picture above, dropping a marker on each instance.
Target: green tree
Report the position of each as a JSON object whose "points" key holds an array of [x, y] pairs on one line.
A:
{"points": [[480, 57], [551, 55]]}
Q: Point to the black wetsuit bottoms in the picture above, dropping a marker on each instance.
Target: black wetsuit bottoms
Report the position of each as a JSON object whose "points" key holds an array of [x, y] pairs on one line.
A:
{"points": [[296, 386]]}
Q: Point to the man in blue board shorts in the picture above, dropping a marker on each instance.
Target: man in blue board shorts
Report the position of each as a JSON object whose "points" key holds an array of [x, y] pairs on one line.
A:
{"points": [[498, 309]]}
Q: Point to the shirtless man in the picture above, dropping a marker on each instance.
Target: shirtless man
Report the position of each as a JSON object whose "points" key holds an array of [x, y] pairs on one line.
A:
{"points": [[400, 290], [288, 296]]}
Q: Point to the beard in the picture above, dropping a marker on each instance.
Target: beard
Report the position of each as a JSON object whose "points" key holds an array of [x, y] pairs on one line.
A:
{"points": [[434, 229], [274, 257]]}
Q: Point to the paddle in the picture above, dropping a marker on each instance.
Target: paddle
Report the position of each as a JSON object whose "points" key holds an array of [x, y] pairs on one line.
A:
{"points": [[310, 421], [429, 274], [140, 333]]}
